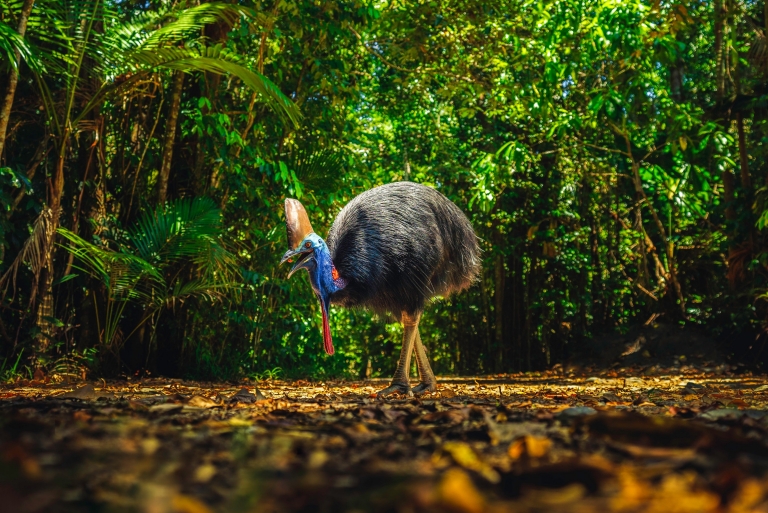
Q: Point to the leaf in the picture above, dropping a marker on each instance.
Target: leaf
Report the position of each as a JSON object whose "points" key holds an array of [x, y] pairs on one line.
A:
{"points": [[458, 493], [11, 42], [219, 60], [463, 455], [532, 446]]}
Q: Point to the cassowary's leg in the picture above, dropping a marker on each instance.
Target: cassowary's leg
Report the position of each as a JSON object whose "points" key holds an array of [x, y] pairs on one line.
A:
{"points": [[410, 334], [428, 383]]}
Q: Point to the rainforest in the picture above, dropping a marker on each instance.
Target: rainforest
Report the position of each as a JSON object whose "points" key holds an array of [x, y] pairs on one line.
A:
{"points": [[610, 155]]}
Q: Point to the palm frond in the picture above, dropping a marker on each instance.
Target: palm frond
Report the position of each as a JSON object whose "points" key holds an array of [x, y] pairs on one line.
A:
{"points": [[317, 167], [33, 252], [176, 231], [758, 48], [219, 60], [192, 20], [126, 277], [12, 42], [274, 98], [196, 288]]}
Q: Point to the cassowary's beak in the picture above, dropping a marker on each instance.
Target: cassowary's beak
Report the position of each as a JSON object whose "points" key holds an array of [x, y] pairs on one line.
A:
{"points": [[305, 259]]}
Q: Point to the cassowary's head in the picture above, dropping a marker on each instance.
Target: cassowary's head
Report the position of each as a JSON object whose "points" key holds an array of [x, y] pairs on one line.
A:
{"points": [[313, 255]]}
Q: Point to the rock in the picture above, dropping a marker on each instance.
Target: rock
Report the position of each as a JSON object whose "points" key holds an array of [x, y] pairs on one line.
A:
{"points": [[732, 414], [722, 413], [86, 392], [246, 397], [575, 412]]}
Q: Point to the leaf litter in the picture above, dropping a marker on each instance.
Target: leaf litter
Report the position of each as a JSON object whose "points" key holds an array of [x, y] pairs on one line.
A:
{"points": [[664, 440]]}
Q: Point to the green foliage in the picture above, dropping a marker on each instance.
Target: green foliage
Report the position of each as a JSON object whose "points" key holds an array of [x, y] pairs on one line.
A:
{"points": [[171, 255], [610, 155], [12, 43]]}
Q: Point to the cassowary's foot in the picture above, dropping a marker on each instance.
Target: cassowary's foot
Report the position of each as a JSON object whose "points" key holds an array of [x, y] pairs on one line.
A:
{"points": [[400, 388], [423, 388]]}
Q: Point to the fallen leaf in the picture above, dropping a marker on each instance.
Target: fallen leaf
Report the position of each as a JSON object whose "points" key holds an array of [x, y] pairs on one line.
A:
{"points": [[739, 403], [205, 472], [82, 416], [557, 497], [463, 455], [447, 393], [317, 459], [531, 446], [198, 401], [458, 493], [187, 504], [165, 407]]}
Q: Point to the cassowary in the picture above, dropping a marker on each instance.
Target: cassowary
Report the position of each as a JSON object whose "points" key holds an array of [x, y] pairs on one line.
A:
{"points": [[390, 249]]}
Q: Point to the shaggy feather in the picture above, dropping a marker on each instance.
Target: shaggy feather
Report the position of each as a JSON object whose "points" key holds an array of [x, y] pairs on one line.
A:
{"points": [[399, 245]]}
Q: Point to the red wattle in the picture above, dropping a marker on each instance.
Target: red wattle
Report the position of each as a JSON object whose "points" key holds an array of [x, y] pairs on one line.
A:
{"points": [[327, 340]]}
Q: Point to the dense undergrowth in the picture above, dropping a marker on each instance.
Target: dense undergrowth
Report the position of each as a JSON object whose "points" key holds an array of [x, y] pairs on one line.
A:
{"points": [[611, 156]]}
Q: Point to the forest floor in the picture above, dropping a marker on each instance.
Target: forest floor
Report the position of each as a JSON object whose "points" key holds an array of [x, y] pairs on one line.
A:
{"points": [[660, 439]]}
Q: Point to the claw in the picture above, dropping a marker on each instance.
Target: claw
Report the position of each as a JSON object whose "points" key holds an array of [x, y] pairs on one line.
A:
{"points": [[423, 388], [400, 388]]}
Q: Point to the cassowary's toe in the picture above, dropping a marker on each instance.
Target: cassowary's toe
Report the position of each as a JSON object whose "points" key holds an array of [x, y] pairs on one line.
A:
{"points": [[423, 388], [400, 388]]}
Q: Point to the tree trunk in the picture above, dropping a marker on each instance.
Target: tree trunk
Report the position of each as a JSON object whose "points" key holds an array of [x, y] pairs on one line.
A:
{"points": [[515, 312], [499, 278], [45, 311], [170, 137], [746, 181], [13, 79], [719, 64], [667, 240]]}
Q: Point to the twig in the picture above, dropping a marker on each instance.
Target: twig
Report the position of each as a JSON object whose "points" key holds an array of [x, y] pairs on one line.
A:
{"points": [[612, 150]]}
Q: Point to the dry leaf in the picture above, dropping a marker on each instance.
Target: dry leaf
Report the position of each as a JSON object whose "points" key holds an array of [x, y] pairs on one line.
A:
{"points": [[463, 455], [198, 401], [187, 504], [204, 473], [532, 446], [458, 493]]}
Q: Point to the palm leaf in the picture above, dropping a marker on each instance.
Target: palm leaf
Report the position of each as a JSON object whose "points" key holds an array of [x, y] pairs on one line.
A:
{"points": [[218, 60], [10, 43], [190, 21], [317, 167], [196, 288], [126, 277], [186, 230], [33, 252]]}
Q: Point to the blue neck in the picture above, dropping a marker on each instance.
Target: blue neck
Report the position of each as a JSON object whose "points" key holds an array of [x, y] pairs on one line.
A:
{"points": [[321, 276]]}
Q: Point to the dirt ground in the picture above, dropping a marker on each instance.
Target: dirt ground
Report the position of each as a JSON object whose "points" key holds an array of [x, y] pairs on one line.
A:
{"points": [[666, 440]]}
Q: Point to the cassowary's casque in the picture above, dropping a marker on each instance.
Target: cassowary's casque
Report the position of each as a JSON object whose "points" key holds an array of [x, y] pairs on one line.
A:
{"points": [[390, 249]]}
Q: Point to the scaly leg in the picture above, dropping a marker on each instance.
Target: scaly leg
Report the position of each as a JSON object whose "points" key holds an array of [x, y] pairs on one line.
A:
{"points": [[428, 383], [410, 334]]}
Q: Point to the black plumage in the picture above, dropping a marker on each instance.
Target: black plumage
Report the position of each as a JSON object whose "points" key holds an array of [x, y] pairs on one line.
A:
{"points": [[399, 245], [390, 249]]}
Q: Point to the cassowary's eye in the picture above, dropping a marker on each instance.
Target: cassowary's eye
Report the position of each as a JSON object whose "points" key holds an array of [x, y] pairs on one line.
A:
{"points": [[307, 244]]}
